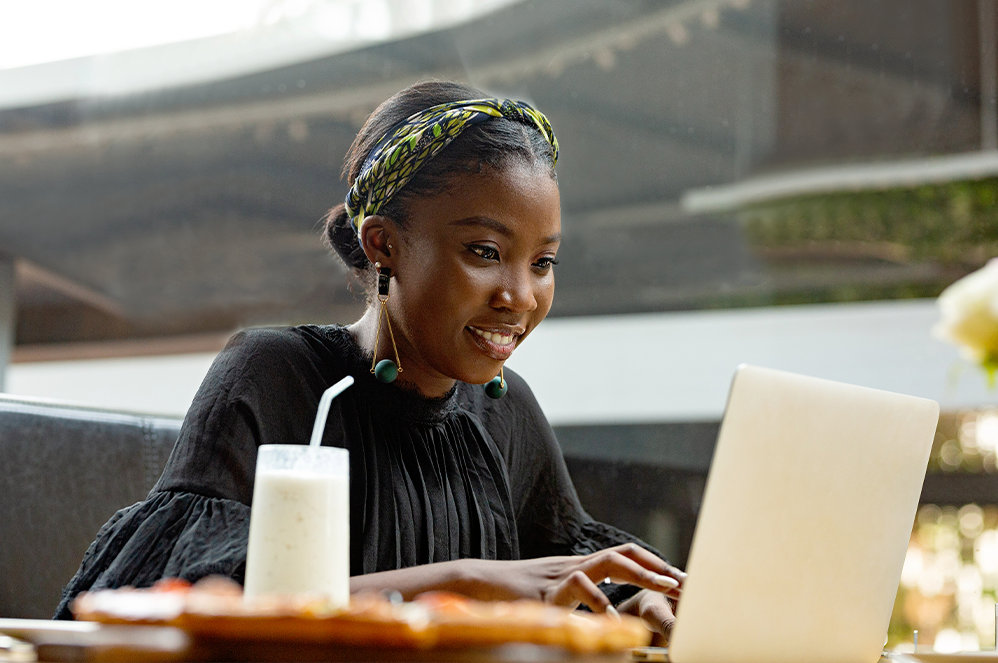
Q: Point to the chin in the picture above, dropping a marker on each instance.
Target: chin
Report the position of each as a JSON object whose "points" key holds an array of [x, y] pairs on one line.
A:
{"points": [[480, 375], [480, 379]]}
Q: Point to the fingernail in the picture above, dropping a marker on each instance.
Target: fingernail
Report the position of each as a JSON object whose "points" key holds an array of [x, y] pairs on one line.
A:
{"points": [[610, 610], [665, 581]]}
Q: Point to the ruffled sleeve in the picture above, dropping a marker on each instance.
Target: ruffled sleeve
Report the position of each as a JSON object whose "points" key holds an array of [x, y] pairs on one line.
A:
{"points": [[177, 535], [261, 389]]}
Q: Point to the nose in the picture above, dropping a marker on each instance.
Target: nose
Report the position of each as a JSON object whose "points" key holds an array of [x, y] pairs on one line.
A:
{"points": [[515, 292]]}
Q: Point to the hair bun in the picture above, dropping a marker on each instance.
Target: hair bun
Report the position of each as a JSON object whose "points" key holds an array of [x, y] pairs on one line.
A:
{"points": [[341, 236]]}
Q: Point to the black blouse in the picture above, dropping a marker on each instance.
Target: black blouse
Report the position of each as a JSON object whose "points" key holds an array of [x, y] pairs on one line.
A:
{"points": [[430, 479]]}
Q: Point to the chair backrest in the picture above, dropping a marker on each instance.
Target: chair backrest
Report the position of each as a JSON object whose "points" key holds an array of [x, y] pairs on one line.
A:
{"points": [[64, 470]]}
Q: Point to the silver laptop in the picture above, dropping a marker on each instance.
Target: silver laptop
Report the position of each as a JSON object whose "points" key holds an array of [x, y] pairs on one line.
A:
{"points": [[804, 524]]}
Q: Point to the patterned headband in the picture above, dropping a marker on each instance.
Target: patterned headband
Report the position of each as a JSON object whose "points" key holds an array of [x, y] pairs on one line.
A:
{"points": [[395, 159]]}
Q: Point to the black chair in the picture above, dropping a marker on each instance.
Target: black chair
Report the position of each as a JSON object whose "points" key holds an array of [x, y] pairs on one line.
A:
{"points": [[64, 470]]}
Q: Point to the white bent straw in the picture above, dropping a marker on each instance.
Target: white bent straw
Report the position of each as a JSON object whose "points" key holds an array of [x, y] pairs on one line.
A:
{"points": [[327, 397]]}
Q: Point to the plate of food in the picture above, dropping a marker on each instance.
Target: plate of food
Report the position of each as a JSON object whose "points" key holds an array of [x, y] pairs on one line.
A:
{"points": [[216, 616]]}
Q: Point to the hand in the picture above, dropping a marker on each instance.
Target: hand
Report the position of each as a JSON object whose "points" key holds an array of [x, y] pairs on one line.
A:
{"points": [[572, 580], [657, 612], [566, 580]]}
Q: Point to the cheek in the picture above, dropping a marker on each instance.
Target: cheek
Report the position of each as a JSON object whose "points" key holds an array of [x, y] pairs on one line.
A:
{"points": [[426, 271], [544, 295], [447, 287]]}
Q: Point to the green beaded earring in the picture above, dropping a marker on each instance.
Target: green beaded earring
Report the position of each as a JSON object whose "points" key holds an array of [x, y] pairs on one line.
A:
{"points": [[496, 387], [385, 370]]}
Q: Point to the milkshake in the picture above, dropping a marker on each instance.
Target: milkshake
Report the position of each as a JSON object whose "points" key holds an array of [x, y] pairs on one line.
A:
{"points": [[299, 539]]}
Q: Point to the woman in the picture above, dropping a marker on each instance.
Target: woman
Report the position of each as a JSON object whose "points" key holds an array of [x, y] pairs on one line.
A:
{"points": [[453, 222]]}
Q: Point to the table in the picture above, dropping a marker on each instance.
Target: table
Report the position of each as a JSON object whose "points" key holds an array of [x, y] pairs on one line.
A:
{"points": [[56, 641]]}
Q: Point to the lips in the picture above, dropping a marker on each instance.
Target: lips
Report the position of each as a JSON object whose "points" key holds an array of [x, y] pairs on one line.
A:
{"points": [[497, 343]]}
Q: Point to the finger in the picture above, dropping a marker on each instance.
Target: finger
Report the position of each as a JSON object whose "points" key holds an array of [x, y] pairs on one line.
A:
{"points": [[650, 560], [657, 614], [617, 567], [676, 573], [578, 588], [640, 555]]}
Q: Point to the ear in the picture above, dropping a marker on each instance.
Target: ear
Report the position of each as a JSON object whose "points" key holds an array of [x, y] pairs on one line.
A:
{"points": [[375, 238]]}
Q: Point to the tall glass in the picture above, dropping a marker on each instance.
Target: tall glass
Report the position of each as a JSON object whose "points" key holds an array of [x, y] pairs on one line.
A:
{"points": [[299, 539]]}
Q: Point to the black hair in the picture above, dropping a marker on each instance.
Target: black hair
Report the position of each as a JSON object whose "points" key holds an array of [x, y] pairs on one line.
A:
{"points": [[493, 144]]}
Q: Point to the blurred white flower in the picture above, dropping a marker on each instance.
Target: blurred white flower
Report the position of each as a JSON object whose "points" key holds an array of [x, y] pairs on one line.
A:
{"points": [[969, 317]]}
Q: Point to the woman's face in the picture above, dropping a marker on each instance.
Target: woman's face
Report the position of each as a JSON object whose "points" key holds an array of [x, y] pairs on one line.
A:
{"points": [[474, 274]]}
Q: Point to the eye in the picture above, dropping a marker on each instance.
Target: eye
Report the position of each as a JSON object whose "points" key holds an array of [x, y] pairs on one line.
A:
{"points": [[546, 263], [484, 251]]}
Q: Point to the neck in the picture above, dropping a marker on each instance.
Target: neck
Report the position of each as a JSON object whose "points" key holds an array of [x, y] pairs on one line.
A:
{"points": [[414, 374]]}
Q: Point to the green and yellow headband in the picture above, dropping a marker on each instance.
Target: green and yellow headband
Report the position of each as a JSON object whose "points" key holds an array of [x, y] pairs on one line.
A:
{"points": [[395, 159]]}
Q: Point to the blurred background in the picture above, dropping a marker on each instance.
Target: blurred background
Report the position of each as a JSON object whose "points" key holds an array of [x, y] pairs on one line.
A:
{"points": [[787, 183]]}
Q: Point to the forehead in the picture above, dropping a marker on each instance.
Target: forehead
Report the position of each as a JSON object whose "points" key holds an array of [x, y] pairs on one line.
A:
{"points": [[522, 196]]}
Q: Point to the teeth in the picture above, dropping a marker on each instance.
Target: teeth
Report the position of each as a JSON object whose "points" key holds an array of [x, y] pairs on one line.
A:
{"points": [[492, 336]]}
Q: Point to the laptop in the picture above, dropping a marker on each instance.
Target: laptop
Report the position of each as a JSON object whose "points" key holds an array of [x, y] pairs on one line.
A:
{"points": [[804, 524]]}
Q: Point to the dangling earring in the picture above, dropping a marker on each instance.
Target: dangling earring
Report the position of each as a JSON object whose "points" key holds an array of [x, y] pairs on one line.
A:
{"points": [[385, 370], [496, 387]]}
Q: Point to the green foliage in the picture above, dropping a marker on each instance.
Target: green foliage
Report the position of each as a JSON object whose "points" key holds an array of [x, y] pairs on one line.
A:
{"points": [[953, 224]]}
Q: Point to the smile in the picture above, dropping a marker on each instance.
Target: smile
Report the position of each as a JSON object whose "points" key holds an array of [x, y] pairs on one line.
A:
{"points": [[497, 345], [494, 337]]}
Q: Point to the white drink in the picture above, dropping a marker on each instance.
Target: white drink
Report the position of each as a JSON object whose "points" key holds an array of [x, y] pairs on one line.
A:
{"points": [[299, 539]]}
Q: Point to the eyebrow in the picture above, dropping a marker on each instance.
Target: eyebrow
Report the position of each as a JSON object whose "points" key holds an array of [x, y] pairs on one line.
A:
{"points": [[498, 226]]}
